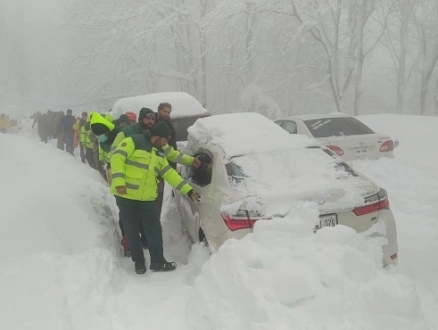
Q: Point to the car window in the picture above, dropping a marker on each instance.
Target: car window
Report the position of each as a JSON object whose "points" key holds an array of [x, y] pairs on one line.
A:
{"points": [[290, 126], [279, 123], [201, 176], [235, 173], [182, 124], [321, 128]]}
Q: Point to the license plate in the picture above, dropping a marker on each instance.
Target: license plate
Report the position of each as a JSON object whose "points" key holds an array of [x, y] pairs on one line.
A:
{"points": [[360, 151], [329, 220]]}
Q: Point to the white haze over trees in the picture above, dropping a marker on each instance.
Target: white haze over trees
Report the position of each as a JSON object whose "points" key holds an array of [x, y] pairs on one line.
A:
{"points": [[276, 57]]}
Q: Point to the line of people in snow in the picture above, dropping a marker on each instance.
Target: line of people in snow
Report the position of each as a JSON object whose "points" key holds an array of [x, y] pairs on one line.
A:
{"points": [[138, 158], [135, 157]]}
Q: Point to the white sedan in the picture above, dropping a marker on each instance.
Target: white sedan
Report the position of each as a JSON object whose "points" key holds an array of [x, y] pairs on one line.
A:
{"points": [[252, 170], [345, 135]]}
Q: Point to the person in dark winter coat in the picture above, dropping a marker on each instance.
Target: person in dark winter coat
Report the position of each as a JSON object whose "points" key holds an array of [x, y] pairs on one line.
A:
{"points": [[69, 133], [43, 127]]}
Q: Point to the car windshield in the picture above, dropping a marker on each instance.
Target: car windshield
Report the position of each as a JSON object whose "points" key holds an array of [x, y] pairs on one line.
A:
{"points": [[345, 126]]}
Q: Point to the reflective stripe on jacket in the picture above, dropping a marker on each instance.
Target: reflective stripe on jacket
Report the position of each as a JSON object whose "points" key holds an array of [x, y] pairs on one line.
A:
{"points": [[169, 152], [85, 135], [136, 164]]}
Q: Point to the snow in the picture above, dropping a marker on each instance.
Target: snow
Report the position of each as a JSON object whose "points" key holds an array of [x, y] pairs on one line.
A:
{"points": [[285, 277], [183, 104], [61, 265], [242, 133], [300, 173]]}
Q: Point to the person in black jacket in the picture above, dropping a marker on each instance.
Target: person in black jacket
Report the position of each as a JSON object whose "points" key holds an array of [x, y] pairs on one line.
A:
{"points": [[69, 133], [163, 115], [164, 110]]}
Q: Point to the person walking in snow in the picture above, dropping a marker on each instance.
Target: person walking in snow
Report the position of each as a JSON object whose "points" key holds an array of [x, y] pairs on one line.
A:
{"points": [[4, 122], [82, 137], [58, 131], [136, 164], [69, 133]]}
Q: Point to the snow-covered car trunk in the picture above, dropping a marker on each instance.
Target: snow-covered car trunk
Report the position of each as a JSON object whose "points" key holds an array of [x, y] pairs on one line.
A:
{"points": [[370, 146]]}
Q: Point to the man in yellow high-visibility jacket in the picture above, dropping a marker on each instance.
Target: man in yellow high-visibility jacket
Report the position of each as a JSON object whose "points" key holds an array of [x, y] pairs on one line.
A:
{"points": [[136, 164], [146, 120]]}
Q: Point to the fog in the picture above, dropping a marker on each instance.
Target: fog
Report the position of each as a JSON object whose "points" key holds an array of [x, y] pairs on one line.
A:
{"points": [[275, 57]]}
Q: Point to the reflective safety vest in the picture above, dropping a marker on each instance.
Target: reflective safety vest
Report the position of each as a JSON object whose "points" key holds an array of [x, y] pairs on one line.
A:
{"points": [[136, 165], [170, 153], [85, 135]]}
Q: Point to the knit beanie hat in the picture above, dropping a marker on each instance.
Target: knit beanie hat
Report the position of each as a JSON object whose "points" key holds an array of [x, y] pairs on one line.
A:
{"points": [[143, 113], [123, 119], [162, 130]]}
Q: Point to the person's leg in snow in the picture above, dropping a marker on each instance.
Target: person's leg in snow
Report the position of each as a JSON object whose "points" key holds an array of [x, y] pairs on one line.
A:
{"points": [[129, 212], [153, 231], [160, 196]]}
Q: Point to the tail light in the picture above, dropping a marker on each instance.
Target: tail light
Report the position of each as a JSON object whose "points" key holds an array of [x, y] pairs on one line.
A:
{"points": [[387, 146], [338, 151], [375, 202], [394, 256], [242, 220]]}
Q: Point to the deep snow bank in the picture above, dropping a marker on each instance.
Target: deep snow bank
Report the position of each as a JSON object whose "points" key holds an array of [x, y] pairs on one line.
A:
{"points": [[285, 277], [57, 246]]}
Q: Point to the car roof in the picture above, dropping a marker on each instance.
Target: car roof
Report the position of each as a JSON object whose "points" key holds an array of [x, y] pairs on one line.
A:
{"points": [[317, 116], [243, 133], [183, 104]]}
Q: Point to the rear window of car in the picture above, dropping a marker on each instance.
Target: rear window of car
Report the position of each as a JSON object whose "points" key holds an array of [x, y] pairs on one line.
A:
{"points": [[321, 128], [182, 124]]}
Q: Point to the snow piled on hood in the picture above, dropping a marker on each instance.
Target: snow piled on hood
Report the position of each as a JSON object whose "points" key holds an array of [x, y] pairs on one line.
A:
{"points": [[284, 276]]}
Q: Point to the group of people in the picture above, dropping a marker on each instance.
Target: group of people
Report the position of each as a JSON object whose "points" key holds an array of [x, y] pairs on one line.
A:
{"points": [[135, 155]]}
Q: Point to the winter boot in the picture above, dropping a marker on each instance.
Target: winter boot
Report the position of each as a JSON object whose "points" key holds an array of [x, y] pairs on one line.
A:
{"points": [[162, 266], [140, 267]]}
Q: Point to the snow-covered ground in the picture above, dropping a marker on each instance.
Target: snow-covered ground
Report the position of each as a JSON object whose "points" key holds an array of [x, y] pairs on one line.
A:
{"points": [[61, 265]]}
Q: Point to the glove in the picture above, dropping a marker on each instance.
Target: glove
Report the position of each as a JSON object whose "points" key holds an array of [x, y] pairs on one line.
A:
{"points": [[194, 196]]}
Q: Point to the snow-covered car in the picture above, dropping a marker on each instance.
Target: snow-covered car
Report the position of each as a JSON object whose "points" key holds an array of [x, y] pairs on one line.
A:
{"points": [[253, 170], [185, 109], [14, 126], [343, 134]]}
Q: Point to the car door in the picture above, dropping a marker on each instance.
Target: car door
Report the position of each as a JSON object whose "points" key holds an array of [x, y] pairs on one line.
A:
{"points": [[199, 179]]}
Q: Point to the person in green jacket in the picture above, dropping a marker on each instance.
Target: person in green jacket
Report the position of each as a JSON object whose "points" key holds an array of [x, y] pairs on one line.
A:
{"points": [[85, 142], [106, 132], [136, 164], [146, 120]]}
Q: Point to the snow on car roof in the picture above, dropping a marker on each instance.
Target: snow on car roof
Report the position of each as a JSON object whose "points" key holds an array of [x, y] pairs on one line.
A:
{"points": [[183, 104], [318, 116], [242, 133]]}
